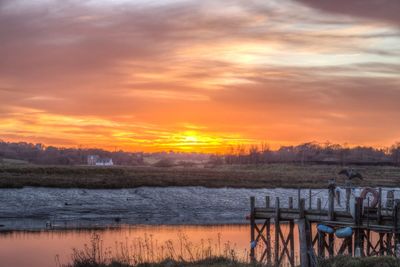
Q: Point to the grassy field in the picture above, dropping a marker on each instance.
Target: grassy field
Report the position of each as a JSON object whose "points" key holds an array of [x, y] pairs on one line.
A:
{"points": [[237, 176]]}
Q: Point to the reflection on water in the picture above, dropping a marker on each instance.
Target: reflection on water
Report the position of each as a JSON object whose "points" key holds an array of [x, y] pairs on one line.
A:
{"points": [[39, 249], [42, 249]]}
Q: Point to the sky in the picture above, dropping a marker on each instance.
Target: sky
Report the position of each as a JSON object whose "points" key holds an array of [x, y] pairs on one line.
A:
{"points": [[189, 75]]}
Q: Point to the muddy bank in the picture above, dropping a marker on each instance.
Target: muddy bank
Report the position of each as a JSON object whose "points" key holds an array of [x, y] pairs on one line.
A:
{"points": [[41, 208]]}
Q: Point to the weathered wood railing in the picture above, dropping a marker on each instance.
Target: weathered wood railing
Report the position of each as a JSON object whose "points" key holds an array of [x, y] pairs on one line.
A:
{"points": [[376, 231]]}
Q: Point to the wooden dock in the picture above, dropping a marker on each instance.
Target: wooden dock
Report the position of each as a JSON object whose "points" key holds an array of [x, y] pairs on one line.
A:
{"points": [[376, 231]]}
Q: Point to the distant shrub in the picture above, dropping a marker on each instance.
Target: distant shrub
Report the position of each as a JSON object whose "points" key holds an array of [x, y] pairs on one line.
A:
{"points": [[186, 164], [164, 163]]}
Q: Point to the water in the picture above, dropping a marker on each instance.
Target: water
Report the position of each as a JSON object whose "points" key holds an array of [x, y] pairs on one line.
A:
{"points": [[39, 249], [36, 224]]}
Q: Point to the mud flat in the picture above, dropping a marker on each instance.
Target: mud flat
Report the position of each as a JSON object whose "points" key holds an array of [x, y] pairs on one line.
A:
{"points": [[54, 208]]}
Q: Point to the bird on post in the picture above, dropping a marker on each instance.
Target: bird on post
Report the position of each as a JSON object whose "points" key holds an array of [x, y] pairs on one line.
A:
{"points": [[351, 174]]}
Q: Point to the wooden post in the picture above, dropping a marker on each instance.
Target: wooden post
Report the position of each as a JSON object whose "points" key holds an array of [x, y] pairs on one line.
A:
{"points": [[304, 259], [379, 211], [298, 197], [319, 205], [277, 230], [381, 244], [389, 244], [358, 235], [268, 230], [350, 246], [321, 244], [348, 194], [390, 199], [252, 230], [291, 238], [337, 196], [396, 223], [331, 207], [331, 245], [290, 202], [309, 199], [301, 208]]}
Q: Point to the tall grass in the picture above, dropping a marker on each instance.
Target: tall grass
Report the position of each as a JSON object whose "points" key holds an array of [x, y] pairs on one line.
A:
{"points": [[147, 250], [237, 176]]}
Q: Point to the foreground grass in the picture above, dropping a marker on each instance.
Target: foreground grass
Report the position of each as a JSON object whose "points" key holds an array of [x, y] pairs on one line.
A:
{"points": [[216, 262], [148, 252], [343, 261], [340, 261], [262, 176]]}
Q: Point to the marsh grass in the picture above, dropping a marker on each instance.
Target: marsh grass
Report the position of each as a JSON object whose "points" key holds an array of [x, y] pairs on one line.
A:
{"points": [[235, 176], [346, 261], [148, 251]]}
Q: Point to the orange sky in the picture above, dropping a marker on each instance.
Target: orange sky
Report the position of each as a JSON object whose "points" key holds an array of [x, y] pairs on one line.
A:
{"points": [[199, 75]]}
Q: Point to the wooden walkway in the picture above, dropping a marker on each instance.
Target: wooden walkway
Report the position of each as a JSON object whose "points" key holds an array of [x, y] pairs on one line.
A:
{"points": [[376, 231]]}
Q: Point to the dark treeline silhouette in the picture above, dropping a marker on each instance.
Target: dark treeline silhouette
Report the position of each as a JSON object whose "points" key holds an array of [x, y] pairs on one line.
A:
{"points": [[50, 155], [307, 153], [312, 152]]}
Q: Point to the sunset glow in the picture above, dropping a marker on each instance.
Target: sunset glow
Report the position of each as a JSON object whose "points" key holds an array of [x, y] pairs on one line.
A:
{"points": [[199, 76]]}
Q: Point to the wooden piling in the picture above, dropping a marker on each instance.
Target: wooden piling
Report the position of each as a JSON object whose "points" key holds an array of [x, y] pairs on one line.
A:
{"points": [[331, 204], [291, 240], [337, 196], [319, 206], [349, 186], [396, 222], [309, 199], [359, 234], [304, 259], [321, 244], [268, 233], [277, 230], [252, 230], [331, 245], [298, 197], [390, 199]]}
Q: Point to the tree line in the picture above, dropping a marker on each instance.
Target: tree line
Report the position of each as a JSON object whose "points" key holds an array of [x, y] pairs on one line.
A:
{"points": [[311, 152], [50, 155]]}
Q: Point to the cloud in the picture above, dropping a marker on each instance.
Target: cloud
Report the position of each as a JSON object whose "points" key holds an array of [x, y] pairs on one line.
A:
{"points": [[384, 11], [253, 70]]}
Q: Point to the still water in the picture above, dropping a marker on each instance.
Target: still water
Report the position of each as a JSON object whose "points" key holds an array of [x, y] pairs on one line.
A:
{"points": [[46, 248], [38, 225]]}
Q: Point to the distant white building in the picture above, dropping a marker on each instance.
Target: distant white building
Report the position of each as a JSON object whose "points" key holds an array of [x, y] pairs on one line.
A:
{"points": [[95, 160]]}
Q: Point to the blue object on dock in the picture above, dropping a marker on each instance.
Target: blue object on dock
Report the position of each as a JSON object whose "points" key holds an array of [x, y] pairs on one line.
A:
{"points": [[344, 232], [253, 244], [325, 229]]}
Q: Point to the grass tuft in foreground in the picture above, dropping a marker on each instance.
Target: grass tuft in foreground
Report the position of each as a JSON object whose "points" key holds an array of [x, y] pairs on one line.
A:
{"points": [[147, 252], [346, 261]]}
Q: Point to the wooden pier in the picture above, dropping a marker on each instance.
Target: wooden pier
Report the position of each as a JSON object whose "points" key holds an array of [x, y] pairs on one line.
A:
{"points": [[376, 231]]}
